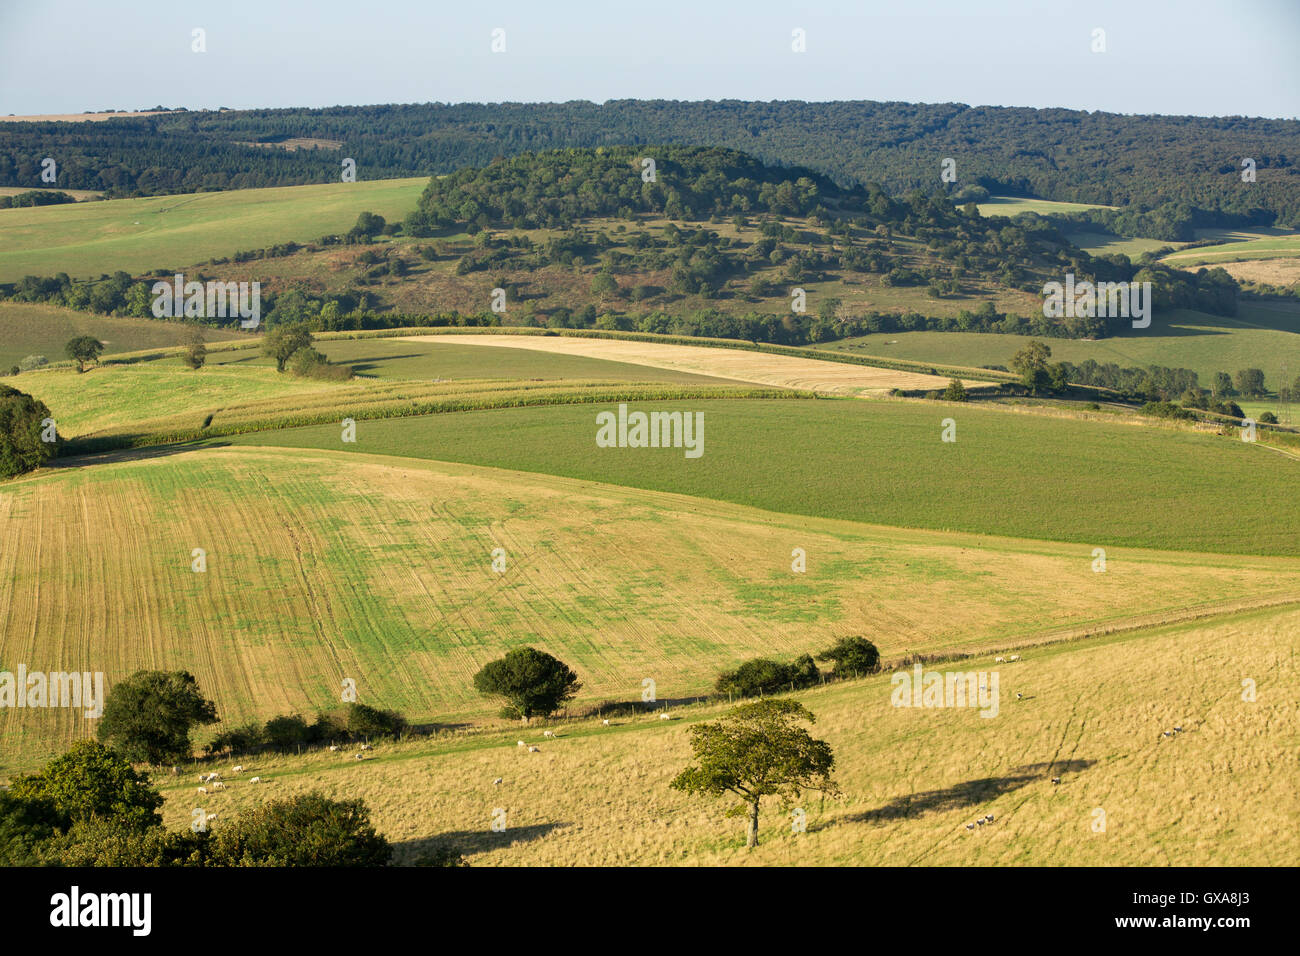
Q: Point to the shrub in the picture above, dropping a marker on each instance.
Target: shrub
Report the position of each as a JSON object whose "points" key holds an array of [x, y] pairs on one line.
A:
{"points": [[852, 656], [308, 830], [21, 447], [762, 675], [365, 721], [308, 363], [32, 362], [1267, 418]]}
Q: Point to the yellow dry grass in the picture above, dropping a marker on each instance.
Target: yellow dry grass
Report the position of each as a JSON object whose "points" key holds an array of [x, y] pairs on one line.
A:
{"points": [[1279, 271], [760, 368], [1093, 714], [326, 565]]}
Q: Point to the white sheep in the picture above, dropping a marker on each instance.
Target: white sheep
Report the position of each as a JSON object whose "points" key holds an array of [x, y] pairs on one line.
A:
{"points": [[366, 747], [533, 750], [520, 743], [360, 756], [239, 769], [605, 722], [548, 733], [218, 786], [256, 780], [1014, 657], [496, 782], [998, 660], [203, 789], [664, 717]]}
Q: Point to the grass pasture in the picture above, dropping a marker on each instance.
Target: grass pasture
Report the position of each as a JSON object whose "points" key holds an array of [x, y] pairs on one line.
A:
{"points": [[1264, 334], [325, 565], [39, 329], [1220, 793], [1024, 475], [137, 235]]}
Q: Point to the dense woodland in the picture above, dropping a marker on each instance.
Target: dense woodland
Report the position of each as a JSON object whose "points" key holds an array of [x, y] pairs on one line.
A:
{"points": [[1175, 172]]}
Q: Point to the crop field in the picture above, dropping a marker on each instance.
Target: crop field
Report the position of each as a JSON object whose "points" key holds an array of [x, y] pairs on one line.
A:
{"points": [[38, 329], [782, 371], [172, 232], [1221, 793], [1014, 205], [1019, 474], [393, 556], [1264, 334], [1287, 246]]}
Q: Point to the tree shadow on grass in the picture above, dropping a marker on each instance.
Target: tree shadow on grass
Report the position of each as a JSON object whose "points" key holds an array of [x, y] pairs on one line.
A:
{"points": [[84, 459], [473, 841], [968, 793]]}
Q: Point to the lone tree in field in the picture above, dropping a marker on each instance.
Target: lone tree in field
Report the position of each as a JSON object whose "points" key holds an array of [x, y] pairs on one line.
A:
{"points": [[754, 752], [533, 683], [852, 657], [21, 418], [148, 716], [197, 352], [955, 392], [83, 349], [283, 340]]}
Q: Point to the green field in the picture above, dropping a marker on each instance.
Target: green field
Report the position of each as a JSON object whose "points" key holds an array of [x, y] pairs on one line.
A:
{"points": [[1264, 334], [1015, 205], [1241, 251], [1023, 475], [38, 329], [172, 232], [1104, 244]]}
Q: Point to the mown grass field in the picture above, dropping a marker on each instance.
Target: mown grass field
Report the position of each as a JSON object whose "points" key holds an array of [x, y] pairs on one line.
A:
{"points": [[1014, 205], [1220, 793], [325, 565], [1270, 248], [1021, 474], [1264, 334], [136, 235], [39, 329]]}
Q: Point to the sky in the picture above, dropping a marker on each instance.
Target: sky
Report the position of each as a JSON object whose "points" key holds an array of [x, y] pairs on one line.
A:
{"points": [[1187, 57]]}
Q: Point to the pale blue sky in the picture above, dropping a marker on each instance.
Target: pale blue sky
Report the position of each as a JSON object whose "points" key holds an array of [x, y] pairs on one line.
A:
{"points": [[1191, 56]]}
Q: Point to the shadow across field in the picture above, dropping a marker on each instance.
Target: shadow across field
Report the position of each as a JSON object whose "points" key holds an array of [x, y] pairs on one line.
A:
{"points": [[75, 459], [968, 793], [473, 841]]}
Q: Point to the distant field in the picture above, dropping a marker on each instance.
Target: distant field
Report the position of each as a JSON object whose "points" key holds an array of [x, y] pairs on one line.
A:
{"points": [[76, 117], [38, 329], [393, 559], [1018, 474], [782, 371], [1014, 205], [1264, 334], [135, 235], [1249, 249], [1104, 244]]}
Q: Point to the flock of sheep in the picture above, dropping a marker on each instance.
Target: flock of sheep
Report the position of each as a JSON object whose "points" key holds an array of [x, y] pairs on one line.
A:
{"points": [[214, 778]]}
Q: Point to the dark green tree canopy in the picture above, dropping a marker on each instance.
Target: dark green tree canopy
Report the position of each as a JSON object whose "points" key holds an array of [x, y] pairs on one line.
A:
{"points": [[21, 448], [307, 830], [852, 656], [148, 716], [533, 683], [283, 340], [91, 781]]}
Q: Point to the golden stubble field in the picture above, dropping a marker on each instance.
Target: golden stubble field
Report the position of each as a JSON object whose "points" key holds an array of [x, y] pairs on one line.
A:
{"points": [[325, 565], [1093, 713], [760, 368]]}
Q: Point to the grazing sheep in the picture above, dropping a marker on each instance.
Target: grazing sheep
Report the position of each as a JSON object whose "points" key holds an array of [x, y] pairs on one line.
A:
{"points": [[366, 747], [548, 733], [1056, 780], [664, 717], [605, 722], [360, 756], [970, 826], [496, 782], [1166, 733], [1178, 730], [998, 660], [533, 750], [1019, 696], [203, 789], [988, 817], [520, 743], [979, 822], [256, 780], [218, 786], [333, 748], [1014, 657], [239, 769]]}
